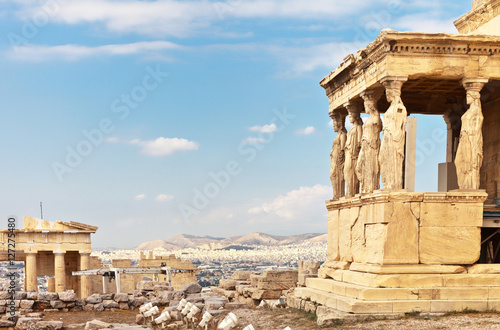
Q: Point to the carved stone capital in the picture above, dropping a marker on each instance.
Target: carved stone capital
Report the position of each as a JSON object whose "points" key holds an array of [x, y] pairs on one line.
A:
{"points": [[394, 83], [354, 107], [371, 95], [337, 116], [474, 84]]}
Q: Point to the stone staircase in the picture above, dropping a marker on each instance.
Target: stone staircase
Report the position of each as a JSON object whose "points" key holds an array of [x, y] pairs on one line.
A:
{"points": [[352, 298]]}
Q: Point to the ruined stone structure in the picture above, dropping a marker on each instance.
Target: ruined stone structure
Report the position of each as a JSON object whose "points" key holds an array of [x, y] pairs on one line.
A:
{"points": [[395, 251], [251, 288], [54, 249], [57, 249], [179, 278], [129, 282]]}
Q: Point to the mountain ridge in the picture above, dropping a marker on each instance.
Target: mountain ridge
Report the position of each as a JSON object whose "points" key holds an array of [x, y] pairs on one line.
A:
{"points": [[182, 241]]}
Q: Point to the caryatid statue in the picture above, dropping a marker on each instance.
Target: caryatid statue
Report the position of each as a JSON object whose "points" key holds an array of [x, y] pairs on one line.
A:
{"points": [[352, 148], [392, 149], [367, 166], [469, 158], [337, 156]]}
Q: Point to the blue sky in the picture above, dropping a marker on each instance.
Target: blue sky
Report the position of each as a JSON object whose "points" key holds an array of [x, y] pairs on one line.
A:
{"points": [[154, 118]]}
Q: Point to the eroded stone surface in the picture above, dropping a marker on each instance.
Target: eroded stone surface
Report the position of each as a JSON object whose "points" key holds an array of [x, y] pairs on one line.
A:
{"points": [[450, 245]]}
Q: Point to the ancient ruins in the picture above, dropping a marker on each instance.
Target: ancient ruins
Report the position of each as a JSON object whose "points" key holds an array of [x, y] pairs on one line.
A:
{"points": [[59, 249], [54, 249], [393, 250]]}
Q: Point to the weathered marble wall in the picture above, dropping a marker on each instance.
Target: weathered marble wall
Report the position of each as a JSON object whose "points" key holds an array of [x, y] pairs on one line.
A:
{"points": [[406, 228], [490, 172]]}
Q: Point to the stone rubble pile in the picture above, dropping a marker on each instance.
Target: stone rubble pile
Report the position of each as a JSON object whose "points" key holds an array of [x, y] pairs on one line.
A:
{"points": [[307, 269], [244, 289], [30, 306], [251, 288], [216, 305]]}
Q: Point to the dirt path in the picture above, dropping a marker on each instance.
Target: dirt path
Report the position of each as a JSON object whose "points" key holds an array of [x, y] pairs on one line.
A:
{"points": [[82, 317], [279, 319]]}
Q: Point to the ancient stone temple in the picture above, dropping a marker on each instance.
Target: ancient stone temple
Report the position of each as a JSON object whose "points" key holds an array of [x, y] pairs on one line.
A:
{"points": [[54, 249], [392, 250]]}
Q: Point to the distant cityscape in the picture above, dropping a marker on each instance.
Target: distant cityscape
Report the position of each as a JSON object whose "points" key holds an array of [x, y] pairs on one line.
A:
{"points": [[214, 265], [221, 263], [216, 258]]}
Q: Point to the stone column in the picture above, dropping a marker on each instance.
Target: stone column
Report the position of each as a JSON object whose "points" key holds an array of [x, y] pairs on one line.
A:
{"points": [[453, 124], [352, 148], [469, 158], [60, 271], [31, 272], [410, 154], [51, 284], [392, 148], [367, 166], [85, 283]]}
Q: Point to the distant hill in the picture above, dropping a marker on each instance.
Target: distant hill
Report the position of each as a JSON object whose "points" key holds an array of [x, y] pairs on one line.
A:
{"points": [[319, 239], [191, 241], [254, 239], [151, 245], [207, 242]]}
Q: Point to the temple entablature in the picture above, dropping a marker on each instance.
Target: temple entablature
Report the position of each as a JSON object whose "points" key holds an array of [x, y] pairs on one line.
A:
{"points": [[484, 18], [435, 64], [405, 73]]}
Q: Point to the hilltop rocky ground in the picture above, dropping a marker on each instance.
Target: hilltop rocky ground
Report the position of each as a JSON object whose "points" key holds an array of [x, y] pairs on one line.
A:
{"points": [[271, 319], [50, 311]]}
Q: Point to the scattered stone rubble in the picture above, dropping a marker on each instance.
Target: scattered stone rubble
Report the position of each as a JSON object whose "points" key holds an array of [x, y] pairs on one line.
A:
{"points": [[252, 288], [30, 306], [210, 302], [243, 290]]}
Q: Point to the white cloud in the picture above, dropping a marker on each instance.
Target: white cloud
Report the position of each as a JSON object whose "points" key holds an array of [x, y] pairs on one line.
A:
{"points": [[140, 197], [183, 18], [264, 129], [254, 140], [296, 204], [165, 146], [316, 56], [297, 60], [306, 131], [76, 52], [164, 198]]}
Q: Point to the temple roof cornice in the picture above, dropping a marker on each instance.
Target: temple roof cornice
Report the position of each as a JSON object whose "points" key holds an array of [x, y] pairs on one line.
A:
{"points": [[441, 56]]}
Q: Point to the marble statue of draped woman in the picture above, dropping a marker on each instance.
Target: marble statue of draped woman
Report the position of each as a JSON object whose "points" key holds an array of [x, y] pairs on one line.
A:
{"points": [[352, 149], [367, 166], [469, 158], [337, 156], [392, 149]]}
